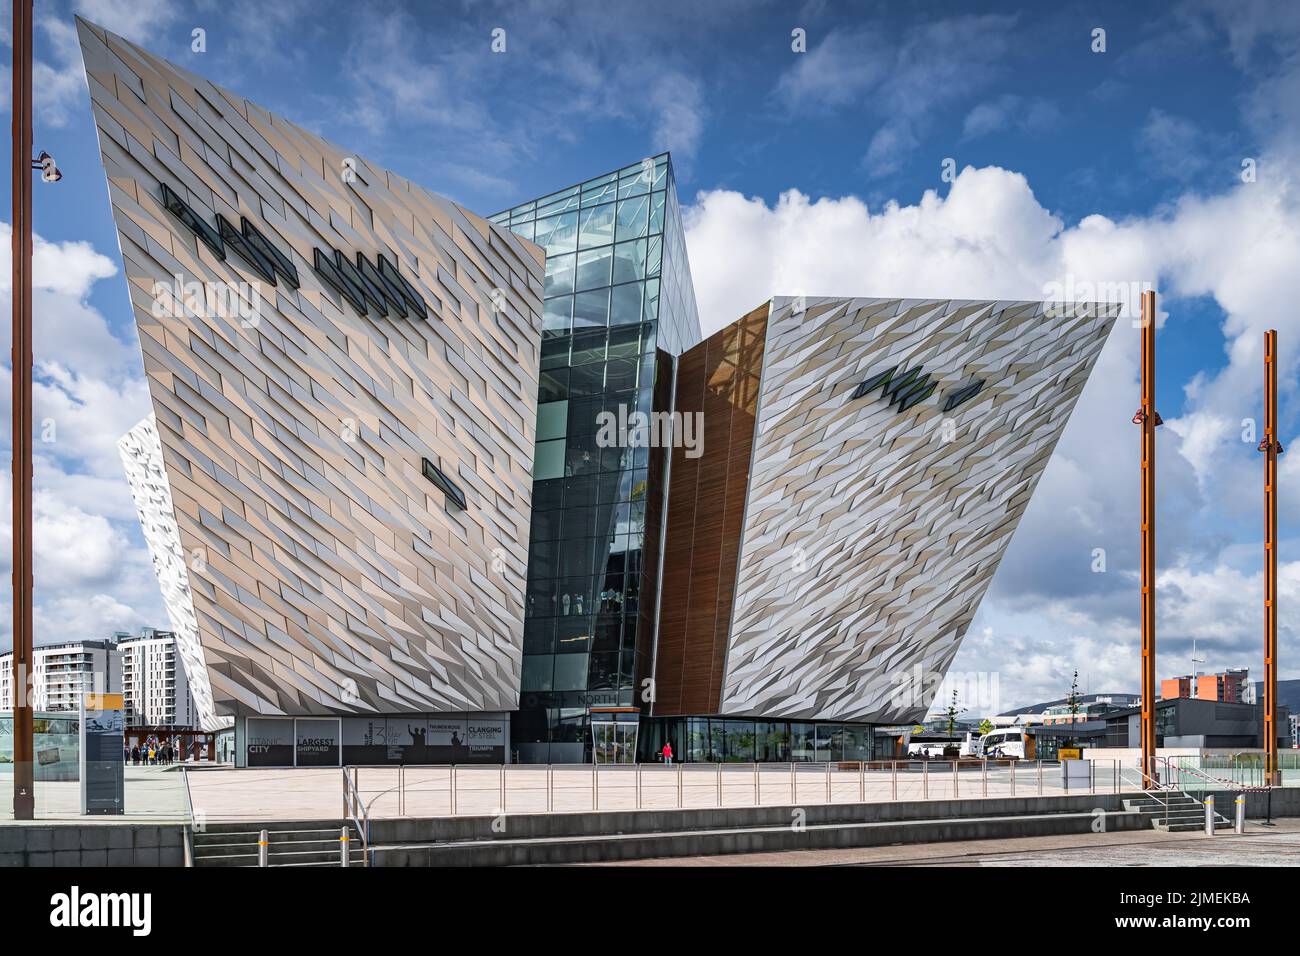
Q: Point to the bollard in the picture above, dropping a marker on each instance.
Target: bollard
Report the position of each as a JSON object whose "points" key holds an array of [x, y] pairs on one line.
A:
{"points": [[262, 845], [343, 849], [1209, 815], [1240, 826]]}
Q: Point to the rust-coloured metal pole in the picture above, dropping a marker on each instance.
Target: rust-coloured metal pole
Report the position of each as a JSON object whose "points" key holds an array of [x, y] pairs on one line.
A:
{"points": [[21, 363], [1272, 447], [1149, 419]]}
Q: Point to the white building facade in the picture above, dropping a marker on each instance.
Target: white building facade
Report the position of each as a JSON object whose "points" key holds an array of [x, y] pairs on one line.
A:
{"points": [[155, 686], [62, 672]]}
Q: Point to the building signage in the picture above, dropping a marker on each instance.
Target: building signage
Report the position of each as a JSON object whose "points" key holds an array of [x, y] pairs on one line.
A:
{"points": [[316, 741], [908, 387], [365, 285], [269, 742], [101, 736], [418, 739]]}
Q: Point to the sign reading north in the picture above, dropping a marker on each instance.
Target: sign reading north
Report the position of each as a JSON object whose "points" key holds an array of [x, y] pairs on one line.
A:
{"points": [[364, 285]]}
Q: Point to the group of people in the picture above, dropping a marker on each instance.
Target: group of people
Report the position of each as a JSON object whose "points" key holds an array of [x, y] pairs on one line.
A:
{"points": [[152, 753]]}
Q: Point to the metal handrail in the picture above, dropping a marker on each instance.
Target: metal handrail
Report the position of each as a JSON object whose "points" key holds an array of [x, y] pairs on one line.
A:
{"points": [[1163, 796], [356, 812], [188, 831]]}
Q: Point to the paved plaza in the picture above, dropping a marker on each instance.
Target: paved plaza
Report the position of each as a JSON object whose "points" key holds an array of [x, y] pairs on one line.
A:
{"points": [[153, 795]]}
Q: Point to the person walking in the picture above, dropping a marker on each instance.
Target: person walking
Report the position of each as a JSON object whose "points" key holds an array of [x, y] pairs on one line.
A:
{"points": [[668, 753], [135, 755]]}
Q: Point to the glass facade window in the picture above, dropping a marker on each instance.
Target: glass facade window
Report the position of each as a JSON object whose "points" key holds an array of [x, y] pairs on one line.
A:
{"points": [[596, 226], [803, 742], [609, 335], [728, 740]]}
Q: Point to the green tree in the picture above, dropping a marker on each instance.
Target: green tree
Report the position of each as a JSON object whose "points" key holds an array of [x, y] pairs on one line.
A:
{"points": [[986, 726], [1075, 705], [952, 713]]}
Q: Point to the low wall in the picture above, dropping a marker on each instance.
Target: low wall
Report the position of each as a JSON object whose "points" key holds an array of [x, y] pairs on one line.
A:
{"points": [[107, 844], [541, 825], [591, 837], [1280, 802]]}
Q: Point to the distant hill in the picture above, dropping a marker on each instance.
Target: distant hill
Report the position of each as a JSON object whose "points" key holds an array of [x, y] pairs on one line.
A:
{"points": [[1288, 696], [1083, 699]]}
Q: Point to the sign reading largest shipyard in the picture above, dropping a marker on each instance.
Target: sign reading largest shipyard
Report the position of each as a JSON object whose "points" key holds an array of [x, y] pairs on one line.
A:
{"points": [[365, 284]]}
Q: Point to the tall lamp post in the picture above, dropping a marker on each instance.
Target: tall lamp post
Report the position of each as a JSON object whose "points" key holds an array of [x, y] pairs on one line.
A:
{"points": [[1149, 419], [21, 364], [1271, 447]]}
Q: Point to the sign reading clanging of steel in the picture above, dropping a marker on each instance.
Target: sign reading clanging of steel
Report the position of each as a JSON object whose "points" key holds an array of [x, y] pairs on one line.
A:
{"points": [[913, 386], [364, 285]]}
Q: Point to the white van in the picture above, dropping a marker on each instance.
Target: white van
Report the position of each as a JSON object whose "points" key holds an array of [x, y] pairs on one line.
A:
{"points": [[1003, 744]]}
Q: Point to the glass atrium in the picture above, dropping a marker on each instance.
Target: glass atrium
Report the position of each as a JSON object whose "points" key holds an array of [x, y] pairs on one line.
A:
{"points": [[619, 304]]}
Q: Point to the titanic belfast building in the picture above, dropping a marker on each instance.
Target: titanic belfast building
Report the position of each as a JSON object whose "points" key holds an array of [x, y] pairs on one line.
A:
{"points": [[424, 486]]}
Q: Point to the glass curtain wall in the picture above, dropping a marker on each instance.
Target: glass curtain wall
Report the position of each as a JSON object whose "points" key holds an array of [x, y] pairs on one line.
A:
{"points": [[729, 740], [618, 306]]}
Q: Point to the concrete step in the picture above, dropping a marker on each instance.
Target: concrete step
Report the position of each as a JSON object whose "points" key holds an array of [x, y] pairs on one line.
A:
{"points": [[1188, 826], [212, 840], [1175, 813], [273, 851], [237, 845], [1159, 805], [288, 858], [213, 828], [579, 848]]}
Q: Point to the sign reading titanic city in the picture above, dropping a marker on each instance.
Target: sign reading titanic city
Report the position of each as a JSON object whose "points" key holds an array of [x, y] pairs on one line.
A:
{"points": [[389, 524]]}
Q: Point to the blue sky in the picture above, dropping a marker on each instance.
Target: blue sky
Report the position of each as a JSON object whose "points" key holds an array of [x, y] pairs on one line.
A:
{"points": [[815, 172]]}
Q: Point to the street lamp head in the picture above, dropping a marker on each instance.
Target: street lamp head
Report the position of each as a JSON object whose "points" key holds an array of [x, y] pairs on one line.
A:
{"points": [[49, 170]]}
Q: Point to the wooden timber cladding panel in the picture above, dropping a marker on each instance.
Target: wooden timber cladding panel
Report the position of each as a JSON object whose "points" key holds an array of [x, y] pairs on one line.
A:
{"points": [[719, 377]]}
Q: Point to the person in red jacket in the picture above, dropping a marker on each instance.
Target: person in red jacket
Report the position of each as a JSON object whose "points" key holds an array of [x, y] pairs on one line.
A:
{"points": [[668, 753]]}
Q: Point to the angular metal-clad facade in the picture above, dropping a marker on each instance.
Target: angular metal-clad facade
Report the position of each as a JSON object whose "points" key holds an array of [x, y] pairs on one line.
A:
{"points": [[894, 448], [343, 369], [142, 459]]}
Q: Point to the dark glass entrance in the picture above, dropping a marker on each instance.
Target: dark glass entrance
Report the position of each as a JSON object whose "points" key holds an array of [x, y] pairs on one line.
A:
{"points": [[618, 306]]}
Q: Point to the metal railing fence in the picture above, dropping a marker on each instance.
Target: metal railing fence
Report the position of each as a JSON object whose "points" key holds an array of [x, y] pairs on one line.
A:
{"points": [[467, 789], [355, 812]]}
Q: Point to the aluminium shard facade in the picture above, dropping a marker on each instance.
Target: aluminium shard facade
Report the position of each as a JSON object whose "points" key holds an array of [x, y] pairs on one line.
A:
{"points": [[865, 463], [343, 371], [142, 459]]}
